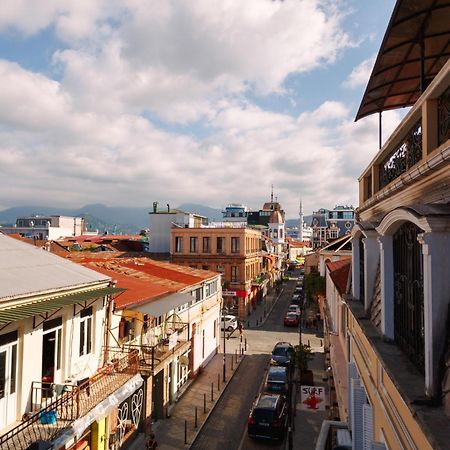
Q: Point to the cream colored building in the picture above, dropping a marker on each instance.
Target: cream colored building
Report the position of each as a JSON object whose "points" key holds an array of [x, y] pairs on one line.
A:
{"points": [[398, 314]]}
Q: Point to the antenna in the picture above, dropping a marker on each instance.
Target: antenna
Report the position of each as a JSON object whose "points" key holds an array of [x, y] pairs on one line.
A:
{"points": [[271, 195]]}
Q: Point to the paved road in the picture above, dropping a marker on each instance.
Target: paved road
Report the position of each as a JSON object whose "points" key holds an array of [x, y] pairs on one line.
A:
{"points": [[226, 428]]}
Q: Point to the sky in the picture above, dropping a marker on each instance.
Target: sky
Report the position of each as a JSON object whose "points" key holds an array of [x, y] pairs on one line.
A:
{"points": [[127, 102]]}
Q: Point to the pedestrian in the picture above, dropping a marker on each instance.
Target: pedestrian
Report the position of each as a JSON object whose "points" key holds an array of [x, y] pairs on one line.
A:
{"points": [[151, 443], [317, 320]]}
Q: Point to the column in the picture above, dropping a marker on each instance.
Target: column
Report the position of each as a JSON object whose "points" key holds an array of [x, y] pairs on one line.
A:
{"points": [[436, 287], [371, 259], [355, 268], [387, 285]]}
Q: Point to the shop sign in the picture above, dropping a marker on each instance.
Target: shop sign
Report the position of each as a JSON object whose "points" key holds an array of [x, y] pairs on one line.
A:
{"points": [[228, 293], [312, 398]]}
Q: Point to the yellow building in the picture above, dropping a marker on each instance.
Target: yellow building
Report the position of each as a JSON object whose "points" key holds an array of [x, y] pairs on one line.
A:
{"points": [[397, 318]]}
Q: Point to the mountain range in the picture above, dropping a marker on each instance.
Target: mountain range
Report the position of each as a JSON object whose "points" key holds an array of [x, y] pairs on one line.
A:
{"points": [[111, 219]]}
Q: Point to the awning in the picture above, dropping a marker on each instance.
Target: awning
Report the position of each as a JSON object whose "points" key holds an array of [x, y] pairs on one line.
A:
{"points": [[162, 305], [418, 33], [31, 309]]}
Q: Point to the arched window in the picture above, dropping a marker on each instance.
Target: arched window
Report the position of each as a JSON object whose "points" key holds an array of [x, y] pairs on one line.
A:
{"points": [[408, 293]]}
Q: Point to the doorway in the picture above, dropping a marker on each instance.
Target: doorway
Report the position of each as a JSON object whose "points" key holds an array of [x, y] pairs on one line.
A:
{"points": [[8, 379], [52, 352], [158, 395]]}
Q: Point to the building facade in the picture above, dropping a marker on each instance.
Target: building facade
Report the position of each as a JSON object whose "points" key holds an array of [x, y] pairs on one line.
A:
{"points": [[398, 314], [234, 252]]}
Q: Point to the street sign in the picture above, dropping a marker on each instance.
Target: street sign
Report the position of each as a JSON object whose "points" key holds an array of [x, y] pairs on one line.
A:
{"points": [[312, 398]]}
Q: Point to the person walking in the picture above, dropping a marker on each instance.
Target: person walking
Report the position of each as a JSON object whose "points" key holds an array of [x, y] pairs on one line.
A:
{"points": [[151, 442]]}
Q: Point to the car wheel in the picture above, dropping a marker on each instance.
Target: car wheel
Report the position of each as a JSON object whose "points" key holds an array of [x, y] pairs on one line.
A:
{"points": [[230, 328]]}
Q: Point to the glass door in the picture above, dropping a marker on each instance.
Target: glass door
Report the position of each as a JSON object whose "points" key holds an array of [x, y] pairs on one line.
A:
{"points": [[8, 384]]}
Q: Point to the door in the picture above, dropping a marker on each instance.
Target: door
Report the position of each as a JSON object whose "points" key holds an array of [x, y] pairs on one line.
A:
{"points": [[52, 355], [158, 395], [8, 384], [171, 383]]}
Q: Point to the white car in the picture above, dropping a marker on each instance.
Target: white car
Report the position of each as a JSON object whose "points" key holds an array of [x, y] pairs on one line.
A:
{"points": [[295, 309], [229, 323]]}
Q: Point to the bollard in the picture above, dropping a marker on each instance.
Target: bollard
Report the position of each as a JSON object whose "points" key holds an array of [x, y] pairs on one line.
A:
{"points": [[309, 345], [218, 381], [235, 355], [212, 392], [248, 324], [204, 403], [240, 348], [185, 432], [232, 363], [256, 322], [195, 418], [321, 343], [245, 344]]}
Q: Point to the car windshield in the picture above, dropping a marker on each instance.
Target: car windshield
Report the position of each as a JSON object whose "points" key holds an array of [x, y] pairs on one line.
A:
{"points": [[277, 375], [291, 315], [279, 351]]}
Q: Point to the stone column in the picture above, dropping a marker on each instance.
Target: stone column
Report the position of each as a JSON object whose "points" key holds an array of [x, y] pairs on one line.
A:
{"points": [[387, 285], [436, 289], [371, 258], [355, 268]]}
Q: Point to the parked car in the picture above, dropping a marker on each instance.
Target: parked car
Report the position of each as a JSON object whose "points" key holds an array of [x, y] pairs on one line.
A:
{"points": [[282, 354], [295, 309], [277, 380], [291, 319], [268, 417], [229, 323]]}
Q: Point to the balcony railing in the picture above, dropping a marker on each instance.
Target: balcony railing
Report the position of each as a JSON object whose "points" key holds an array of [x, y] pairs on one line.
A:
{"points": [[46, 422], [402, 157], [415, 149], [151, 356]]}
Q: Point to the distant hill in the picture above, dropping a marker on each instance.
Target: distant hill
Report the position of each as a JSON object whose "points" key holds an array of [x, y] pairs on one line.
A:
{"points": [[114, 219], [294, 222]]}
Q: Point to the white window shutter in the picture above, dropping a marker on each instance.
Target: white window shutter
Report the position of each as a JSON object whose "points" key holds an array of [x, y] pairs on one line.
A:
{"points": [[378, 446], [358, 401], [352, 374], [367, 427]]}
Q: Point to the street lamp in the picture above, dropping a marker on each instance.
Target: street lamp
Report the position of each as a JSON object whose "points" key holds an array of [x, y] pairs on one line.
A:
{"points": [[224, 341]]}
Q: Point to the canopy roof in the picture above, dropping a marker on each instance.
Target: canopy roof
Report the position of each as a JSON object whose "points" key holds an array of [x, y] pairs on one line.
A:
{"points": [[395, 81]]}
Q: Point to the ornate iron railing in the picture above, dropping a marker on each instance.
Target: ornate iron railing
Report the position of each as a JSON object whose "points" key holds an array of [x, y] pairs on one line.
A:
{"points": [[49, 421], [444, 117], [403, 157], [409, 329]]}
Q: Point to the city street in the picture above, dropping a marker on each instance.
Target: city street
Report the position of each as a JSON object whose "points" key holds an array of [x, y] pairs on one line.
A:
{"points": [[227, 425]]}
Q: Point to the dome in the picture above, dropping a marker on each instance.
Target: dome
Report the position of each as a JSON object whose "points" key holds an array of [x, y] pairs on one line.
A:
{"points": [[276, 217]]}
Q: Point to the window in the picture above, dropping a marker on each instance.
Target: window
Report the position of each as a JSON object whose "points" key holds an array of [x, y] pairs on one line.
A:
{"points": [[220, 245], [281, 233], [205, 267], [220, 269], [211, 288], [206, 245], [86, 331], [193, 245], [234, 274], [178, 244], [198, 294], [275, 233], [234, 245]]}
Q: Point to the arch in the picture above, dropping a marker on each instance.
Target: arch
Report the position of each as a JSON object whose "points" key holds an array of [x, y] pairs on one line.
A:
{"points": [[395, 219], [359, 232]]}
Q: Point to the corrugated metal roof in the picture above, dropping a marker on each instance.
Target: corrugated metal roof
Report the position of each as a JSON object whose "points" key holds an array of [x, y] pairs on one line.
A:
{"points": [[25, 270], [31, 309], [163, 305]]}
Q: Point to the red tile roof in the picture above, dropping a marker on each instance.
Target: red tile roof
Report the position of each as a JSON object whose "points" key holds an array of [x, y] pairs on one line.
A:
{"points": [[339, 273], [145, 279]]}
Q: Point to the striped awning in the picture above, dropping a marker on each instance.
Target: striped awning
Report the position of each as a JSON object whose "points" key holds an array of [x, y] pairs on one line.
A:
{"points": [[20, 312]]}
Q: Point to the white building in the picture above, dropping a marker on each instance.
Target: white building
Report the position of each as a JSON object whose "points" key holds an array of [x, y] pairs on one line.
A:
{"points": [[47, 227], [52, 339]]}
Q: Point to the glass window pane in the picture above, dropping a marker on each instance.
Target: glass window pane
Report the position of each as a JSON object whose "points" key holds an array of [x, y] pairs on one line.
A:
{"points": [[82, 337], [89, 335], [58, 349], [2, 374], [12, 383]]}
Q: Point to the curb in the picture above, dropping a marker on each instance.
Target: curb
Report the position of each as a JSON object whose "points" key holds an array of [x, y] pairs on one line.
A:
{"points": [[188, 446]]}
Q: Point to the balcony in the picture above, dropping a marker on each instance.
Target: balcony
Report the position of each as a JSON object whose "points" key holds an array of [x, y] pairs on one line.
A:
{"points": [[53, 414], [417, 152], [152, 356]]}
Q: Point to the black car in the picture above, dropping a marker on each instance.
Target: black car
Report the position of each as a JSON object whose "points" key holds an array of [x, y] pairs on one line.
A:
{"points": [[282, 354], [277, 380], [268, 417]]}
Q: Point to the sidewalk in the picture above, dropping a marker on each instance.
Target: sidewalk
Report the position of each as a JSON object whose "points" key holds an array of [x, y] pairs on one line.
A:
{"points": [[171, 432], [263, 309]]}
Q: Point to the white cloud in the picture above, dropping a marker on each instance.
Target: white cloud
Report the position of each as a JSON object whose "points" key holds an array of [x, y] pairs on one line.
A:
{"points": [[360, 74]]}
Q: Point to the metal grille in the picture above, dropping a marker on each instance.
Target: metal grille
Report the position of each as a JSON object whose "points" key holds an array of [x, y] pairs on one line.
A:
{"points": [[361, 271], [403, 157], [444, 116], [408, 294]]}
